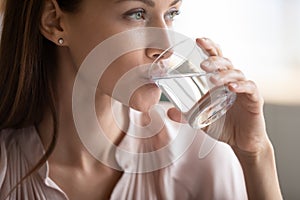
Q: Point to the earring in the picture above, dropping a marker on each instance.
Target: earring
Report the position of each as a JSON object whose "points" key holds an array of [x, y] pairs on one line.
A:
{"points": [[60, 41]]}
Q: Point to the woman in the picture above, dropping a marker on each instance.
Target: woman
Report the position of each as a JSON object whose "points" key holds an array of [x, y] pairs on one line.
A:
{"points": [[43, 45]]}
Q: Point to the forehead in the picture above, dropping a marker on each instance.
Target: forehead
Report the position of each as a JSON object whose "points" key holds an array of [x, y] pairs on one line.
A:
{"points": [[150, 2]]}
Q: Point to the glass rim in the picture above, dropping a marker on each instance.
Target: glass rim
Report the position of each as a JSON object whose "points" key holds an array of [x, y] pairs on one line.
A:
{"points": [[181, 59]]}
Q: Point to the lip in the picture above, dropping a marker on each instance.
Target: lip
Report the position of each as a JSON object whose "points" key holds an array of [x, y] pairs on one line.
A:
{"points": [[152, 85], [147, 78]]}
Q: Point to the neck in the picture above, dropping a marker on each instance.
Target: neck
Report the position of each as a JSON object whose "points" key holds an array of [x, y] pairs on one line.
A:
{"points": [[70, 150]]}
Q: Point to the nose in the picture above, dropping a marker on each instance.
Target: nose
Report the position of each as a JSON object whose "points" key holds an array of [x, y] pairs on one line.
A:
{"points": [[162, 48], [160, 40], [155, 53]]}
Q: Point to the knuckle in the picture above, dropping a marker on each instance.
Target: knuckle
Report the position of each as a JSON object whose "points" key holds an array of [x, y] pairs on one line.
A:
{"points": [[252, 85], [238, 71], [218, 47], [227, 60], [213, 58]]}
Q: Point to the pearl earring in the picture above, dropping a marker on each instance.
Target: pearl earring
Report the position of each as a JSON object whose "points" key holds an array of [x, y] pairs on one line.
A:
{"points": [[60, 41]]}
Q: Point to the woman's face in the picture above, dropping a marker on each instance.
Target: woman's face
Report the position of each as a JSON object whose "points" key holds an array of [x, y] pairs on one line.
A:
{"points": [[98, 20]]}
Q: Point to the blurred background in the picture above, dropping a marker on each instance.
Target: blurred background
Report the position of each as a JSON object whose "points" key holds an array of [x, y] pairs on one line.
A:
{"points": [[262, 38]]}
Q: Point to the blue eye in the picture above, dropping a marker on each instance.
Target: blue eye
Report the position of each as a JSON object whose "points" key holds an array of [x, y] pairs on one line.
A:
{"points": [[172, 14], [136, 14]]}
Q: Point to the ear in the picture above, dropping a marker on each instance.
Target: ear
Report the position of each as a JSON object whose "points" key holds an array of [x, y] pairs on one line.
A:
{"points": [[50, 24]]}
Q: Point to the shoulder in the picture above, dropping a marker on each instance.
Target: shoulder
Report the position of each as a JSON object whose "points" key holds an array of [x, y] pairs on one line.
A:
{"points": [[225, 173], [216, 171], [207, 155], [25, 140], [20, 150], [9, 138], [12, 136], [13, 143], [5, 142], [13, 140]]}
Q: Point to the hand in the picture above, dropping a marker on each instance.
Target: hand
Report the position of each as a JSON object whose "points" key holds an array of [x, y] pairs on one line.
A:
{"points": [[244, 127]]}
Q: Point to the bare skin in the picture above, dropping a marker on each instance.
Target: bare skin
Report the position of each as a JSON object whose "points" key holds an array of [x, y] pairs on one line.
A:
{"points": [[71, 165], [244, 129]]}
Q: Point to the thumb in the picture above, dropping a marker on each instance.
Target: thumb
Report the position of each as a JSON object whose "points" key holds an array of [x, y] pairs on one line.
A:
{"points": [[175, 115]]}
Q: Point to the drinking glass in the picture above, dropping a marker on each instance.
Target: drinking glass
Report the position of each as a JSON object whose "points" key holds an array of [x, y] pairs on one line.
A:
{"points": [[176, 71]]}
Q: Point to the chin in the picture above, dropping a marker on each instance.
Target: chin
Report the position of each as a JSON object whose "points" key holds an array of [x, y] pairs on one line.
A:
{"points": [[145, 97]]}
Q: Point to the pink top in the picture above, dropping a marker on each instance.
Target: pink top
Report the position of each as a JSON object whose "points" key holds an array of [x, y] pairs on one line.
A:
{"points": [[218, 175]]}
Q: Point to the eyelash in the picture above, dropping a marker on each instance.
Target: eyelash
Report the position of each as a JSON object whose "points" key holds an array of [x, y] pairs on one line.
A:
{"points": [[173, 13], [139, 14], [136, 14]]}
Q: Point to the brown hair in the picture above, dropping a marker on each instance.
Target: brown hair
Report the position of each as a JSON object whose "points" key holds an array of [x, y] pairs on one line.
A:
{"points": [[27, 68]]}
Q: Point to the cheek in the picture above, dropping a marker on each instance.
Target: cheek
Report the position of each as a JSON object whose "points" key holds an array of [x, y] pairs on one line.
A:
{"points": [[82, 45], [84, 37], [127, 81], [124, 73], [109, 78]]}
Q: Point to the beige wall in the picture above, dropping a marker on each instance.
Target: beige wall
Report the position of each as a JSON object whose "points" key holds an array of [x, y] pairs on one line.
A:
{"points": [[283, 124]]}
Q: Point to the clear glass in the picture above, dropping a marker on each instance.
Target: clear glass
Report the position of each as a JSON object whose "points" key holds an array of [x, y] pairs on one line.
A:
{"points": [[177, 73]]}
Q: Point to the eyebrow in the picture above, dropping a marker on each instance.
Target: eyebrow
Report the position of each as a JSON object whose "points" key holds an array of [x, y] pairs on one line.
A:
{"points": [[149, 2], [175, 2]]}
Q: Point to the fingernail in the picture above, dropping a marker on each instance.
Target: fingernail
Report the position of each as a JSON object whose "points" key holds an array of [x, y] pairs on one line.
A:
{"points": [[216, 77], [206, 63], [233, 85], [201, 39]]}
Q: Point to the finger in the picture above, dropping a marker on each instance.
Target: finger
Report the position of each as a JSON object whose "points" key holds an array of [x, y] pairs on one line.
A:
{"points": [[175, 115], [227, 76], [246, 87], [209, 47], [215, 63]]}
